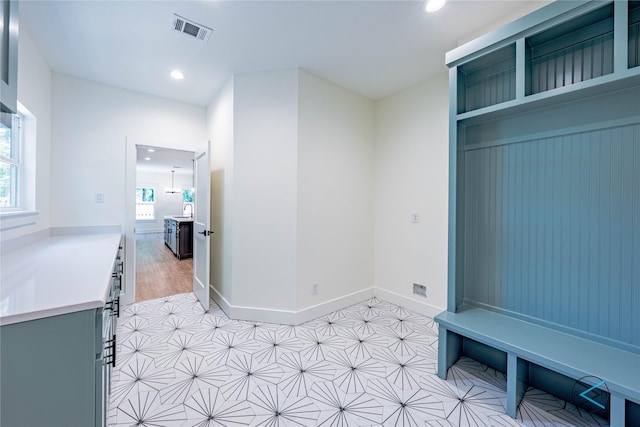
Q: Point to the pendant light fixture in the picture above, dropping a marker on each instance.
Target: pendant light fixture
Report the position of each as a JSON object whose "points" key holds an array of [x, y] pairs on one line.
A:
{"points": [[172, 190]]}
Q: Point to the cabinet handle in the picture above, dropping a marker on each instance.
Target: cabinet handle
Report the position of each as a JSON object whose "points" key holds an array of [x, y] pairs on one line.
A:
{"points": [[114, 306], [110, 348], [118, 277]]}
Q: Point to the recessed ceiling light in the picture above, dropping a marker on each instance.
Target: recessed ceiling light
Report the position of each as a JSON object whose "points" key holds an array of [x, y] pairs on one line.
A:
{"points": [[177, 74], [434, 5], [147, 158], [151, 150]]}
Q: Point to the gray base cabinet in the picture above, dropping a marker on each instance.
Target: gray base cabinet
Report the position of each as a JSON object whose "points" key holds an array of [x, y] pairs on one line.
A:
{"points": [[56, 370]]}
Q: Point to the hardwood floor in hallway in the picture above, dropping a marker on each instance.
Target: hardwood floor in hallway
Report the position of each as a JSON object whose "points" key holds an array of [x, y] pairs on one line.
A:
{"points": [[158, 272]]}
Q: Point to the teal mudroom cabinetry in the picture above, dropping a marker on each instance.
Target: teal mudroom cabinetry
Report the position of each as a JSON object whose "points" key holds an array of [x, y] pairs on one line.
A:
{"points": [[544, 206]]}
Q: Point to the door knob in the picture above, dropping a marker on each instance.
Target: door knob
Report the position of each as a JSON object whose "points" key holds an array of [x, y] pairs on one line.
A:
{"points": [[205, 232]]}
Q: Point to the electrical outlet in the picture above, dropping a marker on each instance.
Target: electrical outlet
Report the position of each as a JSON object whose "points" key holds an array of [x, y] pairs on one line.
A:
{"points": [[419, 289], [314, 289]]}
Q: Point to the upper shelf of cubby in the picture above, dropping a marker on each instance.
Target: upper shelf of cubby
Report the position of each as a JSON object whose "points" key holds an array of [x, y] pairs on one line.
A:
{"points": [[586, 89], [561, 52]]}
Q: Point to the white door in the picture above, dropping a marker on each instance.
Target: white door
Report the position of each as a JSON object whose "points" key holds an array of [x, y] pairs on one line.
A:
{"points": [[201, 231]]}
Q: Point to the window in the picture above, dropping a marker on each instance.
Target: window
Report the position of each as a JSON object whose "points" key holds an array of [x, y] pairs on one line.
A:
{"points": [[187, 202], [10, 161], [145, 203]]}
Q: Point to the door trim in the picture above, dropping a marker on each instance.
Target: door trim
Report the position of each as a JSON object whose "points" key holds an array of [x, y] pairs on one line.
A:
{"points": [[128, 292]]}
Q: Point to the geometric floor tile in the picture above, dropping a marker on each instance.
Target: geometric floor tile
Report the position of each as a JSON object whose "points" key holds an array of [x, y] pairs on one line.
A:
{"points": [[370, 364]]}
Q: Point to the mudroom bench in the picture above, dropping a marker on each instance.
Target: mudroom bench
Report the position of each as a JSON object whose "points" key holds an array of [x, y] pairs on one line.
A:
{"points": [[516, 346]]}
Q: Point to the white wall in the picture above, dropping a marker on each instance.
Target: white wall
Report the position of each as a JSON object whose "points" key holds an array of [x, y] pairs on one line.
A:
{"points": [[265, 189], [34, 92], [290, 164], [293, 166], [292, 177], [91, 123], [220, 133], [335, 191], [411, 176], [166, 203]]}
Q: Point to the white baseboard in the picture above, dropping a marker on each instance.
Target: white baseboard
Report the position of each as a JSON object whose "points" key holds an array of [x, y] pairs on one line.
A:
{"points": [[254, 314], [412, 304], [219, 299], [289, 317], [126, 298], [335, 304]]}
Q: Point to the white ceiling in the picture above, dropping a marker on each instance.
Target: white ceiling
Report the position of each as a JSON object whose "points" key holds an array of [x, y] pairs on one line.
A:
{"points": [[164, 160], [374, 48]]}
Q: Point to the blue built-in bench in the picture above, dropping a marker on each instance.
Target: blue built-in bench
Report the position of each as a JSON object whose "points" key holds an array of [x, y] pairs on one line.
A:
{"points": [[525, 343]]}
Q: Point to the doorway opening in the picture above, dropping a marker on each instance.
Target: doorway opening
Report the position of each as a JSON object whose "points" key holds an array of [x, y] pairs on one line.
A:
{"points": [[164, 183]]}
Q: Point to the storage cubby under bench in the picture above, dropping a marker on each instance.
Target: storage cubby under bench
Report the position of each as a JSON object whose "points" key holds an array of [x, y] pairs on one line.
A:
{"points": [[524, 343]]}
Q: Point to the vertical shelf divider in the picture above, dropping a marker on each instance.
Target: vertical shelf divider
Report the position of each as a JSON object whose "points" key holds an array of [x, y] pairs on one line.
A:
{"points": [[453, 159], [621, 36], [521, 69]]}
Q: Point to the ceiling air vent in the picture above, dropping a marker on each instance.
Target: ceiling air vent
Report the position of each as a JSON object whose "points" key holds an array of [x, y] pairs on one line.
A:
{"points": [[190, 28]]}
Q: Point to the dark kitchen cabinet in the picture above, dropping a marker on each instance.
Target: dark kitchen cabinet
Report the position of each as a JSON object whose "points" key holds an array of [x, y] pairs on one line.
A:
{"points": [[178, 236]]}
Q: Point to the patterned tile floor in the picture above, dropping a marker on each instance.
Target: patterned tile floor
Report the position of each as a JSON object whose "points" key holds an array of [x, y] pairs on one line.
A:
{"points": [[371, 364]]}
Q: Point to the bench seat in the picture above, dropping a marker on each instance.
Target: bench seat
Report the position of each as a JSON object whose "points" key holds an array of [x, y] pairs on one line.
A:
{"points": [[524, 342]]}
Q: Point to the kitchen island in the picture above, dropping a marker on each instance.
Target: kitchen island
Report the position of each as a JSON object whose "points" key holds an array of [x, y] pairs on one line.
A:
{"points": [[59, 301], [178, 235]]}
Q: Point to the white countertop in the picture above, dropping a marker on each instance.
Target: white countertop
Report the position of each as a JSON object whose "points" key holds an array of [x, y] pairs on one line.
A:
{"points": [[56, 275], [179, 218]]}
